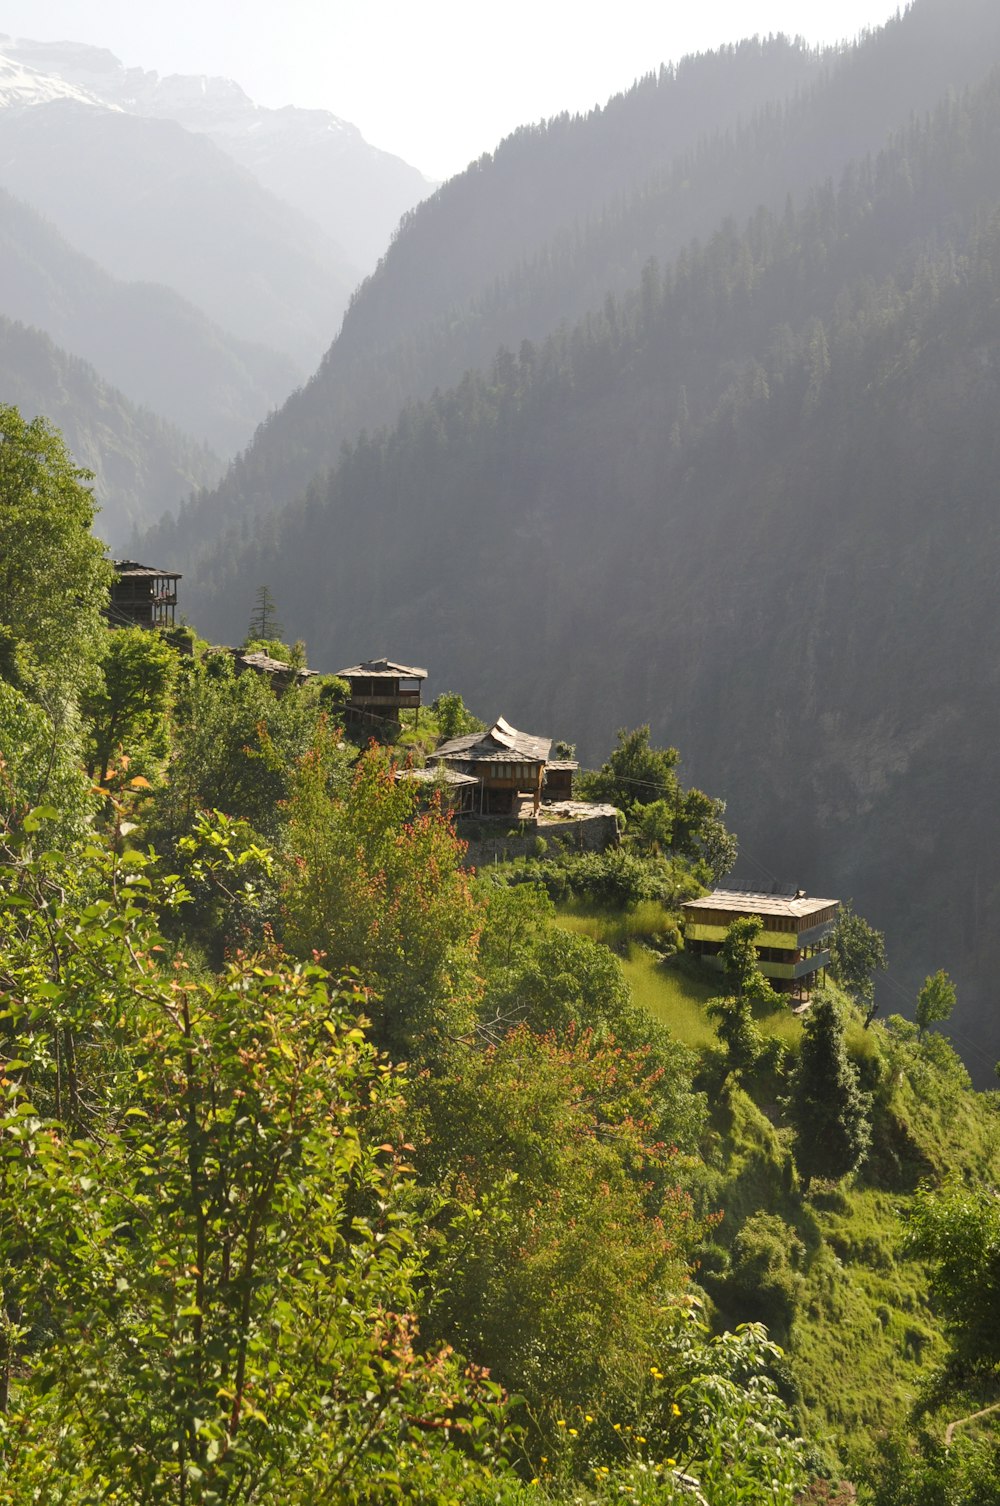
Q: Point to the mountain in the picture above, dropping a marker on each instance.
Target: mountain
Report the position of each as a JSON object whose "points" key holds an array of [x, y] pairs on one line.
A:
{"points": [[21, 85], [143, 338], [752, 501], [566, 212], [153, 202], [313, 160], [140, 463]]}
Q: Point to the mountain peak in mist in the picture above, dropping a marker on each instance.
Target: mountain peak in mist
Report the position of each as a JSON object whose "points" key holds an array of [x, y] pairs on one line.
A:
{"points": [[311, 158]]}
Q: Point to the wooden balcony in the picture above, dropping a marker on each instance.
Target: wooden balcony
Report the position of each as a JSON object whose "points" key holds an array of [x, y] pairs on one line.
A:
{"points": [[400, 700]]}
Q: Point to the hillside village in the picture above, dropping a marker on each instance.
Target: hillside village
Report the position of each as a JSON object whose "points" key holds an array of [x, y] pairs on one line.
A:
{"points": [[340, 1066], [507, 793], [422, 1098]]}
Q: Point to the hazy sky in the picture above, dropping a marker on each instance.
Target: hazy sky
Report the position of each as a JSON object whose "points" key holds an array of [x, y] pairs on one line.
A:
{"points": [[438, 81]]}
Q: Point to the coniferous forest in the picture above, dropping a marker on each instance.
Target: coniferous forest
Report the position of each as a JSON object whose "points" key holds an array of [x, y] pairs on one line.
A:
{"points": [[719, 455]]}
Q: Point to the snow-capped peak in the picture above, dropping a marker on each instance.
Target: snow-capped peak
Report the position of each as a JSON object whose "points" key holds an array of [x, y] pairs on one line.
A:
{"points": [[21, 86]]}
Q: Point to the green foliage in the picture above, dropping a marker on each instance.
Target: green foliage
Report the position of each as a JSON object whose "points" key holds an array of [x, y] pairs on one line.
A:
{"points": [[710, 1426], [374, 881], [742, 969], [829, 1112], [231, 885], [857, 952], [55, 579], [616, 878], [655, 827], [700, 834], [222, 1262], [764, 1283], [236, 745], [927, 1473], [739, 1035], [733, 1014], [514, 918], [650, 923], [39, 766], [610, 880], [935, 1001], [453, 718], [956, 1229], [636, 774], [566, 1258], [126, 711]]}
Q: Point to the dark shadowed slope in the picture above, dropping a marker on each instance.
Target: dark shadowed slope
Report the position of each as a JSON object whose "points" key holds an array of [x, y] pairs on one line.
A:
{"points": [[754, 503]]}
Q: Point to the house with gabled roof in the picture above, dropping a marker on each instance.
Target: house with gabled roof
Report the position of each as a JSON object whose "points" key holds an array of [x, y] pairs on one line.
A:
{"points": [[281, 676], [380, 689], [506, 763]]}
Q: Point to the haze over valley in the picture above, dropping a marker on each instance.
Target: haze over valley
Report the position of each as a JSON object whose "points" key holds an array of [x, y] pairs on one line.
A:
{"points": [[675, 411]]}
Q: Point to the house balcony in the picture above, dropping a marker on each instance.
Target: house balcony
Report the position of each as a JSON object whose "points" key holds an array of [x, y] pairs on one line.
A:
{"points": [[784, 972], [402, 700]]}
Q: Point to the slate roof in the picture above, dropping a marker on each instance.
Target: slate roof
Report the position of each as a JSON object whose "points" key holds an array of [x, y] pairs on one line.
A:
{"points": [[269, 666], [502, 743], [382, 669], [798, 906], [131, 569], [429, 776]]}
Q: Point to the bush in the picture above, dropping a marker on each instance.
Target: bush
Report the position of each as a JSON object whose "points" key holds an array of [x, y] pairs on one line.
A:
{"points": [[764, 1284]]}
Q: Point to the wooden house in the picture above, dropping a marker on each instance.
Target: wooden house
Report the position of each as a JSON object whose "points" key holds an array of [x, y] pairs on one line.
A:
{"points": [[142, 596], [558, 783], [792, 947], [505, 763], [281, 675], [459, 792], [380, 689]]}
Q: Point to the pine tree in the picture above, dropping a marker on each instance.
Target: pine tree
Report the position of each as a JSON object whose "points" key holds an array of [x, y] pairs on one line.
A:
{"points": [[264, 617], [829, 1111]]}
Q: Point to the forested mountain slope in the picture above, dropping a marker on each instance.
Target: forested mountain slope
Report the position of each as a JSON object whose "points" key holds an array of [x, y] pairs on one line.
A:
{"points": [[138, 461], [754, 503], [149, 200], [143, 337], [565, 212]]}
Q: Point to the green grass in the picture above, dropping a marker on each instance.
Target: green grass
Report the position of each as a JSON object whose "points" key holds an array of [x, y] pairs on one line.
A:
{"points": [[866, 1341], [671, 996], [782, 1026], [618, 929]]}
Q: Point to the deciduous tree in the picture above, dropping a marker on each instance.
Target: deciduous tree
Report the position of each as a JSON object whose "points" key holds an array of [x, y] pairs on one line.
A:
{"points": [[935, 1001], [127, 709], [374, 881], [54, 578], [857, 952]]}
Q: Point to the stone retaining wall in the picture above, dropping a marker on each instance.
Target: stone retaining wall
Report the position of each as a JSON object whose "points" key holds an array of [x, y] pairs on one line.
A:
{"points": [[578, 833]]}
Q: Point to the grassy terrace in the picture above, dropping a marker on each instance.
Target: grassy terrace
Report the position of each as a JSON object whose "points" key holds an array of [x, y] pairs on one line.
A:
{"points": [[864, 1341], [674, 991]]}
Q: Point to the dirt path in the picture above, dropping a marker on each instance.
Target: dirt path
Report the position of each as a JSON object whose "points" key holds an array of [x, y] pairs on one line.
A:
{"points": [[959, 1422]]}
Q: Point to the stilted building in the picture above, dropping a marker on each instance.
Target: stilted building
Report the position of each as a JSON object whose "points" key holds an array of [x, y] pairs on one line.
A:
{"points": [[380, 689], [142, 596], [792, 947]]}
